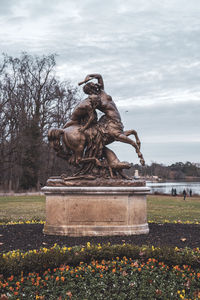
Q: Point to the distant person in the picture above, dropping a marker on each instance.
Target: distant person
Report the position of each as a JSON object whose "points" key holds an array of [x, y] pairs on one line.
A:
{"points": [[175, 193], [184, 194], [172, 192], [190, 193]]}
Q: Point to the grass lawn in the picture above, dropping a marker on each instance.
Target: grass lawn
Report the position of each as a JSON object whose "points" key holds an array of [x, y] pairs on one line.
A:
{"points": [[159, 208], [22, 208]]}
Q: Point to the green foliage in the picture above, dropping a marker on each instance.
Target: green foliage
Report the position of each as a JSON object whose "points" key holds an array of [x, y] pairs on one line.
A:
{"points": [[15, 262], [119, 278]]}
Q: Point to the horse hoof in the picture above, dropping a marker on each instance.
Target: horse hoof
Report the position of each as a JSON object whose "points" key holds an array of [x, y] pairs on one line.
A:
{"points": [[142, 161]]}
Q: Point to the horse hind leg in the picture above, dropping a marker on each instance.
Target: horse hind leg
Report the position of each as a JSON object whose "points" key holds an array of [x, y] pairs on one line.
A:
{"points": [[124, 139], [134, 132]]}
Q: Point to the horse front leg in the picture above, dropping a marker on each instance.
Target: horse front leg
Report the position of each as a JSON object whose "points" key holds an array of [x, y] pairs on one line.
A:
{"points": [[134, 132], [124, 139]]}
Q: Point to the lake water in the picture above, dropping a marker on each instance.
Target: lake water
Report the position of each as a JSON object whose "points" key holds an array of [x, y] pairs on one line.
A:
{"points": [[166, 187]]}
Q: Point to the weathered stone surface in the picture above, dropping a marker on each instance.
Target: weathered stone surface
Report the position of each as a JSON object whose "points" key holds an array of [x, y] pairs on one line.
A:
{"points": [[61, 182], [92, 211]]}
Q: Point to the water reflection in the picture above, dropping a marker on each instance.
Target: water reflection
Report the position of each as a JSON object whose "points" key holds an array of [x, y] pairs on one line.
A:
{"points": [[166, 187]]}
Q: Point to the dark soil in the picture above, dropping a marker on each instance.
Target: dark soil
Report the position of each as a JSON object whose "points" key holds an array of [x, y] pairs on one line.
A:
{"points": [[30, 236]]}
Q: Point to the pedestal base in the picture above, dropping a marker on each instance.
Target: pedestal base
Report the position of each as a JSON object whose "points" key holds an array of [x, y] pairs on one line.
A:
{"points": [[96, 211]]}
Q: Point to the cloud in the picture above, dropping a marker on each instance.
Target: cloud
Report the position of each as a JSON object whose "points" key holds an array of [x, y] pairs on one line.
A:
{"points": [[147, 51]]}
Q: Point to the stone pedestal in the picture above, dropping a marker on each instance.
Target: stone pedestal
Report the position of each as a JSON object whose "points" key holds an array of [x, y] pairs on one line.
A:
{"points": [[96, 211]]}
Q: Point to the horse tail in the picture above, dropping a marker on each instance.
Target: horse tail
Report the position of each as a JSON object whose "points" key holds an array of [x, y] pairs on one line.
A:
{"points": [[54, 135]]}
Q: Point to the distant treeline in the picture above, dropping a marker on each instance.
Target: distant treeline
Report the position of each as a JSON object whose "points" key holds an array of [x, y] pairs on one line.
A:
{"points": [[175, 171], [32, 99]]}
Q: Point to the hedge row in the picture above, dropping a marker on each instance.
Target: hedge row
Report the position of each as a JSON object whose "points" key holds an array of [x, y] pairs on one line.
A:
{"points": [[15, 262]]}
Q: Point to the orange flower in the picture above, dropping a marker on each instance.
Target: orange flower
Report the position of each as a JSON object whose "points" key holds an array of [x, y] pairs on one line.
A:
{"points": [[139, 269], [57, 278], [15, 293], [46, 278], [11, 278], [11, 288], [101, 275], [62, 278], [113, 270]]}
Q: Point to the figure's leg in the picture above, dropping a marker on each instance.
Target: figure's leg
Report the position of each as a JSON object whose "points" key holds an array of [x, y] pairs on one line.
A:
{"points": [[124, 139], [79, 154], [111, 172], [123, 175], [91, 159], [132, 131]]}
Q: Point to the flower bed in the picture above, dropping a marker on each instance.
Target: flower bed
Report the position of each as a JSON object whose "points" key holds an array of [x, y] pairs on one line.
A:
{"points": [[124, 278], [101, 271], [149, 221]]}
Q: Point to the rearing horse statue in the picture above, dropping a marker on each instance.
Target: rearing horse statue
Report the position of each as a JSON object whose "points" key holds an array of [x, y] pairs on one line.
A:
{"points": [[85, 138]]}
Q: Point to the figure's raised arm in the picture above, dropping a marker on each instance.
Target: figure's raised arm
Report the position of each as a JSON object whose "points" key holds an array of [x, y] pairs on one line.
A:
{"points": [[98, 77], [92, 76]]}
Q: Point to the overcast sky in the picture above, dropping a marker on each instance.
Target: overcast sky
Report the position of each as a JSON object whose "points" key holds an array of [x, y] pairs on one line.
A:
{"points": [[148, 52]]}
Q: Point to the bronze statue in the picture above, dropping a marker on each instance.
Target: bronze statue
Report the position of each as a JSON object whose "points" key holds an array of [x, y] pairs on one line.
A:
{"points": [[83, 139]]}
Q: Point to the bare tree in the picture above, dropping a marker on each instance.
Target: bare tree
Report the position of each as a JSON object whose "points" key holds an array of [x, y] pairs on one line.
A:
{"points": [[32, 100]]}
